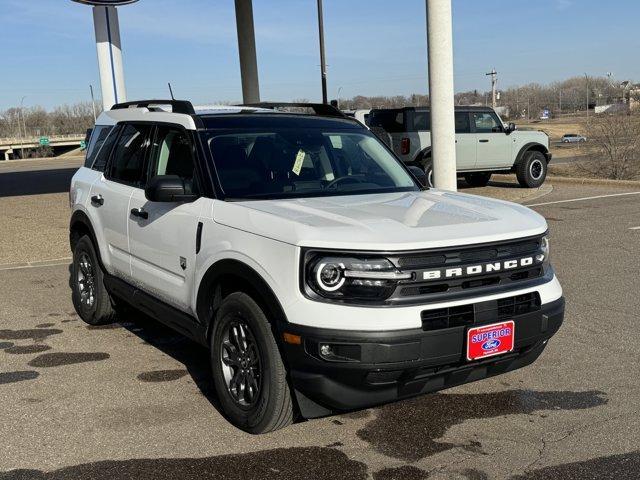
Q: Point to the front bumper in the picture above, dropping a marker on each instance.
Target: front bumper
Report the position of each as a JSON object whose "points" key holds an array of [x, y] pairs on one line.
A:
{"points": [[404, 363]]}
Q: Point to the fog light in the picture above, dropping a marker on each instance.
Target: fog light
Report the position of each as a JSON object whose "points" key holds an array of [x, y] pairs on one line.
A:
{"points": [[339, 352], [325, 350]]}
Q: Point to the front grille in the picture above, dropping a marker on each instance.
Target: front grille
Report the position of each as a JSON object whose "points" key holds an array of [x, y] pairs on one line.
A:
{"points": [[460, 316], [421, 287]]}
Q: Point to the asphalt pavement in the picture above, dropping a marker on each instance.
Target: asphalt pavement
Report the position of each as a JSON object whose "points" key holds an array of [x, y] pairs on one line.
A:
{"points": [[134, 401]]}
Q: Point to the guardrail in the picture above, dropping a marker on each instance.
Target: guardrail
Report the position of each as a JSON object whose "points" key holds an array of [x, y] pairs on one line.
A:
{"points": [[36, 139]]}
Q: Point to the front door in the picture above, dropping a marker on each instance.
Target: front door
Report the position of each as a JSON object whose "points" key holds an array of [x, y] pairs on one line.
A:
{"points": [[493, 145], [163, 240]]}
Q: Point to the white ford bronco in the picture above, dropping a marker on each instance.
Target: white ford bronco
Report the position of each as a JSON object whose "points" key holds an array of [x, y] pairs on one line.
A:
{"points": [[484, 144], [320, 273]]}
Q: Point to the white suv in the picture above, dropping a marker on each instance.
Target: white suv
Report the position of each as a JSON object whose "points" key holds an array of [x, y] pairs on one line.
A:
{"points": [[484, 144], [297, 247]]}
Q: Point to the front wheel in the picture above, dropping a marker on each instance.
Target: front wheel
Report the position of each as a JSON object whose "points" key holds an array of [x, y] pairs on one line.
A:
{"points": [[248, 373], [531, 171], [477, 179]]}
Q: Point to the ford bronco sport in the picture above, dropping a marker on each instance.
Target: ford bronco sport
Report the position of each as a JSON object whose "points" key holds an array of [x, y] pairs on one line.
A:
{"points": [[484, 144], [322, 276]]}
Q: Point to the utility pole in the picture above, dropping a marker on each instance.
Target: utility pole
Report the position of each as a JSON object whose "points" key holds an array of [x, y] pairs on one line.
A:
{"points": [[323, 63], [24, 125], [494, 84], [586, 79]]}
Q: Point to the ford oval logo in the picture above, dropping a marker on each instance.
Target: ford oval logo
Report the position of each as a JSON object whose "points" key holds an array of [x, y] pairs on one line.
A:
{"points": [[491, 344]]}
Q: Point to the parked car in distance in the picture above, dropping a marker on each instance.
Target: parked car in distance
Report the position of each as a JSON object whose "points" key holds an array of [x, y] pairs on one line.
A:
{"points": [[484, 144], [573, 138], [309, 260]]}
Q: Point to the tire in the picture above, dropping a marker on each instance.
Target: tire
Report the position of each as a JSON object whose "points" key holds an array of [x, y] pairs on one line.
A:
{"points": [[531, 170], [477, 179], [428, 171], [90, 298], [265, 403]]}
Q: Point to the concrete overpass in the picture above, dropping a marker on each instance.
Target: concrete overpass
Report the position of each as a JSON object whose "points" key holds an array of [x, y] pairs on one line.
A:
{"points": [[13, 147]]}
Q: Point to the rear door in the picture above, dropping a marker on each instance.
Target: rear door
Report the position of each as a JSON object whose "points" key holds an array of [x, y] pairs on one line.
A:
{"points": [[110, 194], [163, 240], [494, 147], [466, 143]]}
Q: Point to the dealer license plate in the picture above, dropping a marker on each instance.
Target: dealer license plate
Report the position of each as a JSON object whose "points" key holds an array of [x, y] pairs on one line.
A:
{"points": [[489, 340]]}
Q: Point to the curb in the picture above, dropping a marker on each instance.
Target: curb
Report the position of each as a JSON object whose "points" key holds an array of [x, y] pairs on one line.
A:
{"points": [[593, 181]]}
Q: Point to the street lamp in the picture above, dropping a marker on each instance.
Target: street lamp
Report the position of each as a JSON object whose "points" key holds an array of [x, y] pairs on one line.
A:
{"points": [[338, 96]]}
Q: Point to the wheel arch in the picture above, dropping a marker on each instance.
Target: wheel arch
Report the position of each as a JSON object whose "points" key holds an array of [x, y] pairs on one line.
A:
{"points": [[228, 276], [421, 157], [80, 225], [531, 147]]}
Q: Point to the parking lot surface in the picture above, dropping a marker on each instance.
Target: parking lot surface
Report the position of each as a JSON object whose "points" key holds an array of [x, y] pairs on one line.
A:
{"points": [[133, 400]]}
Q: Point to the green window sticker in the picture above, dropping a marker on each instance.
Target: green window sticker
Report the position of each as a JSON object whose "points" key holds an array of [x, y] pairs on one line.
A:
{"points": [[297, 166]]}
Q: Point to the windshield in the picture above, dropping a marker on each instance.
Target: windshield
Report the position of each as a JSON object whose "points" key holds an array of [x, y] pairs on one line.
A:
{"points": [[291, 162]]}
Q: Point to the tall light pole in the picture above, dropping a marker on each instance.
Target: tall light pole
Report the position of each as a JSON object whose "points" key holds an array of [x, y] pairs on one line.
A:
{"points": [[441, 93], [108, 46], [323, 63], [247, 51], [338, 96], [24, 126]]}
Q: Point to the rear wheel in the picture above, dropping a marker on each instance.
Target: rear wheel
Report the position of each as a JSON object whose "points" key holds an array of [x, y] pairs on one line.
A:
{"points": [[477, 179], [428, 171], [248, 373], [90, 297], [532, 169]]}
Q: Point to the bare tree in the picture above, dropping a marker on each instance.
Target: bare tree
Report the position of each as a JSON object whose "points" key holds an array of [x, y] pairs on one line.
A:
{"points": [[612, 146]]}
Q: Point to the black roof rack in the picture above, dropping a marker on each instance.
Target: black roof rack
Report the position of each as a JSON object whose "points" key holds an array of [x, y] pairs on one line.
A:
{"points": [[177, 106], [318, 108]]}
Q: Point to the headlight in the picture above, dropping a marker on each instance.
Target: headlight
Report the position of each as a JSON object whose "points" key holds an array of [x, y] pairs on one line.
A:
{"points": [[544, 247], [351, 278]]}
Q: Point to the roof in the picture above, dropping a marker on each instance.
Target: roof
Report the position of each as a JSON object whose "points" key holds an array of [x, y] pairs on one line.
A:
{"points": [[463, 108]]}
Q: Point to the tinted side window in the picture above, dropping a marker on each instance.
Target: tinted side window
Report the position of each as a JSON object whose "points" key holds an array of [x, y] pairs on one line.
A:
{"points": [[98, 136], [421, 121], [389, 120], [102, 155], [486, 122], [462, 122], [171, 154], [127, 163]]}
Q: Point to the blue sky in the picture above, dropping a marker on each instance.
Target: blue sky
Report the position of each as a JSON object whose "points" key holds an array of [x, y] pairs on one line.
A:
{"points": [[47, 49]]}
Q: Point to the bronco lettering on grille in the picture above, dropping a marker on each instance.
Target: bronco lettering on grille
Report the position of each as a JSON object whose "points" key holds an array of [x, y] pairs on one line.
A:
{"points": [[479, 269]]}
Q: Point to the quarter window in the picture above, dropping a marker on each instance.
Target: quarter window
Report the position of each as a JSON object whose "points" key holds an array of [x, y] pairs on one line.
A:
{"points": [[462, 122], [127, 164], [102, 153], [98, 136]]}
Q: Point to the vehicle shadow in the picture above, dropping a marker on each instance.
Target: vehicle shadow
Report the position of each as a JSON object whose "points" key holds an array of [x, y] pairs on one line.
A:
{"points": [[463, 185], [35, 182]]}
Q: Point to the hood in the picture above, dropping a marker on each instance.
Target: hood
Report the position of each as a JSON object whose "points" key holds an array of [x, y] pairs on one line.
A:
{"points": [[394, 221]]}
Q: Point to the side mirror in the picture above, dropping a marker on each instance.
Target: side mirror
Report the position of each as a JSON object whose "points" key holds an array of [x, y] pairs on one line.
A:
{"points": [[169, 188], [419, 174], [511, 127]]}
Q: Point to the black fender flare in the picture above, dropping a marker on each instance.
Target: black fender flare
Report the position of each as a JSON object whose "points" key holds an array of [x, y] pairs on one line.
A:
{"points": [[81, 223], [531, 146], [238, 276]]}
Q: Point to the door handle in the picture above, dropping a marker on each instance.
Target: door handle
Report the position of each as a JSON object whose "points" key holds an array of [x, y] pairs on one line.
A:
{"points": [[97, 200], [140, 213], [484, 140]]}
